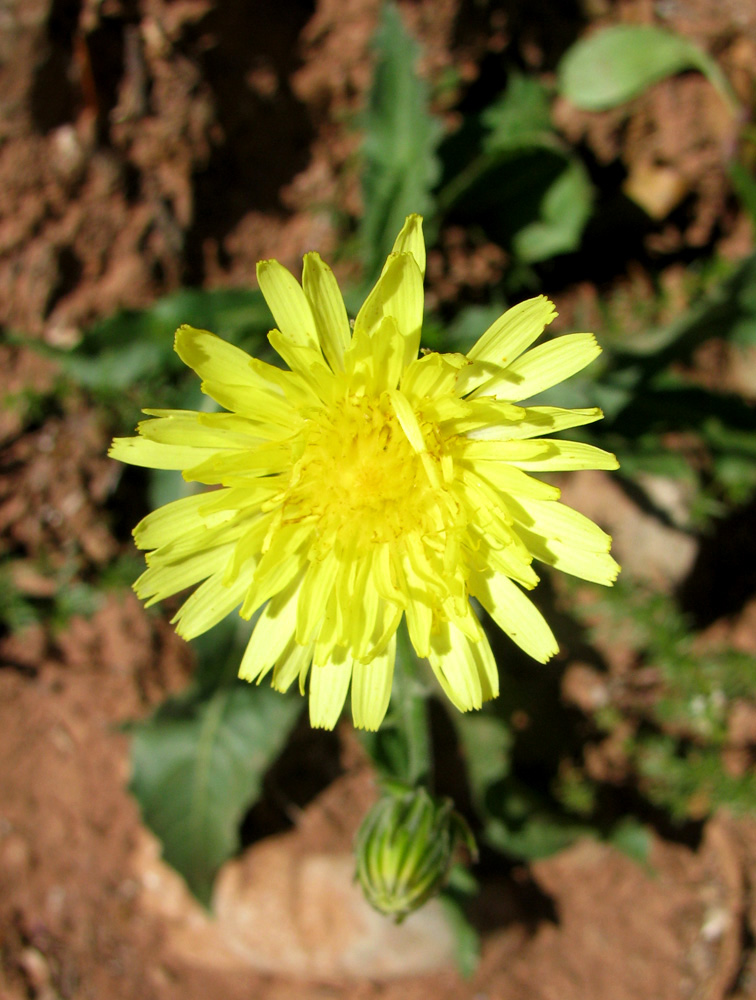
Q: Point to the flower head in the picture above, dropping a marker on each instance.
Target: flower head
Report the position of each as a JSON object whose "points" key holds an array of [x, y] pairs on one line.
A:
{"points": [[405, 848], [366, 484]]}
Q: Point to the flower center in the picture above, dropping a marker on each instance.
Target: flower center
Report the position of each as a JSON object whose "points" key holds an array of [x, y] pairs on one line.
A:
{"points": [[358, 476]]}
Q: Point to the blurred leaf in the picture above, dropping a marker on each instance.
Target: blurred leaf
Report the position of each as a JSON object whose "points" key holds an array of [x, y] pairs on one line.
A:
{"points": [[75, 598], [616, 64], [116, 368], [137, 345], [167, 485], [745, 186], [469, 325], [520, 117], [486, 741], [232, 313], [17, 611], [564, 210], [401, 138], [466, 938], [632, 838], [524, 824], [199, 761]]}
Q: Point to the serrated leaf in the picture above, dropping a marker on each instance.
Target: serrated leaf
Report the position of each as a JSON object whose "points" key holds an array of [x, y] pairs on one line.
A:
{"points": [[401, 138], [197, 767], [616, 64]]}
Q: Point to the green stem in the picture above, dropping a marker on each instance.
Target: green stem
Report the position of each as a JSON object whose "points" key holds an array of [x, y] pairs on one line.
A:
{"points": [[412, 714]]}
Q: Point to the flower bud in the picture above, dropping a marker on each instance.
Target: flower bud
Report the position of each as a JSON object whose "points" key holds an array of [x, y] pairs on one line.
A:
{"points": [[405, 849]]}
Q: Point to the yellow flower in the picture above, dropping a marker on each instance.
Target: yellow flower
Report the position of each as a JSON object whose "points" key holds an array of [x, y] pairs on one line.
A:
{"points": [[366, 484]]}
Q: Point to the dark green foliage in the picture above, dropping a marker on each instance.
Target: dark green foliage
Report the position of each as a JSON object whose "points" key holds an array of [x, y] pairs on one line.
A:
{"points": [[199, 761], [401, 137]]}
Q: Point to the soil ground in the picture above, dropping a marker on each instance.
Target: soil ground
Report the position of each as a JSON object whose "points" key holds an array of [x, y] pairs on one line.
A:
{"points": [[146, 145]]}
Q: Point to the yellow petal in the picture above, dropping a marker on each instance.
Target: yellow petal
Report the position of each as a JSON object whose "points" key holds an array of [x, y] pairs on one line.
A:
{"points": [[371, 688], [375, 363], [272, 634], [212, 601], [213, 358], [329, 684], [545, 455], [563, 546], [397, 293], [279, 566], [514, 332], [408, 420], [432, 376], [267, 408], [532, 421], [419, 614], [515, 614], [163, 578], [561, 523], [543, 367], [180, 517], [465, 669], [306, 361], [410, 240], [236, 467], [314, 593], [331, 321], [155, 455], [292, 665], [288, 303], [188, 428], [507, 479]]}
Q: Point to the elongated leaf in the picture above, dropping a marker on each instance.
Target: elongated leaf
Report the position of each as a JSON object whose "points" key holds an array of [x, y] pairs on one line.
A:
{"points": [[616, 64], [401, 137], [197, 767]]}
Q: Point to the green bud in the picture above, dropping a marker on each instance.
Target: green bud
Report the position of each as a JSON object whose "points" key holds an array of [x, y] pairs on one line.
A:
{"points": [[405, 849]]}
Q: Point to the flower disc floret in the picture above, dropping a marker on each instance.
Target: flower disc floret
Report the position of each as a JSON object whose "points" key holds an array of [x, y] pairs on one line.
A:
{"points": [[358, 480], [363, 485]]}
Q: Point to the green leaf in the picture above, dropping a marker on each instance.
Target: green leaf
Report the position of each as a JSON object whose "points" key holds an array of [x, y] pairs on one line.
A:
{"points": [[466, 938], [401, 137], [614, 65], [632, 838], [137, 345], [232, 313], [564, 210], [197, 767], [539, 836], [744, 183], [486, 743], [520, 117]]}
